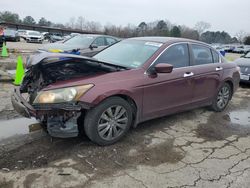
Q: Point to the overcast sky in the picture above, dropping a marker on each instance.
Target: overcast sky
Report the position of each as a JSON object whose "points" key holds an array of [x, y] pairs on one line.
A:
{"points": [[229, 15]]}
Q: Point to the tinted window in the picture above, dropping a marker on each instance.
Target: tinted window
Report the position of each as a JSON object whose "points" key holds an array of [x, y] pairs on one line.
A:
{"points": [[176, 55], [110, 41], [99, 41], [202, 55], [216, 56]]}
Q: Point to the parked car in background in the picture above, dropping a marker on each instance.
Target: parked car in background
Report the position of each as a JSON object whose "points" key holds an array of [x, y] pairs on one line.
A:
{"points": [[11, 35], [244, 64], [86, 44], [22, 33], [241, 49], [33, 36], [55, 38], [66, 37], [129, 82], [246, 49], [52, 37], [74, 34], [228, 48], [45, 35]]}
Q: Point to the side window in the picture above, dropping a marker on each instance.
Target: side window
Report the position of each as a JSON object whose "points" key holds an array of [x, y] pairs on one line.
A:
{"points": [[202, 54], [216, 56], [177, 55], [99, 41], [110, 41]]}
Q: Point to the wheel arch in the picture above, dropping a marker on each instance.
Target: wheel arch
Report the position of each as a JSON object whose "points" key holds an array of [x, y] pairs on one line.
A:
{"points": [[133, 104], [127, 97]]}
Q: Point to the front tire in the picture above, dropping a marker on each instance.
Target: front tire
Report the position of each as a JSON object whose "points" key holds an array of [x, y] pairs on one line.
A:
{"points": [[109, 121], [222, 98]]}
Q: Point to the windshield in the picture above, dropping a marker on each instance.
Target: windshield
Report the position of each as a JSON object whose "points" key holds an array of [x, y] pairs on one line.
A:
{"points": [[129, 53], [80, 40], [9, 32], [34, 33], [247, 55]]}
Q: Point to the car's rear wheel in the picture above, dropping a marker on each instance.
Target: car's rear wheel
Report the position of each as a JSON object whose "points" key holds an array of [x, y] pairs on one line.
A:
{"points": [[222, 98], [109, 121]]}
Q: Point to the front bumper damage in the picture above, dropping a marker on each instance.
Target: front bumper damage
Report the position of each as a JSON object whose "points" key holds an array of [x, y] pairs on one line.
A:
{"points": [[60, 119]]}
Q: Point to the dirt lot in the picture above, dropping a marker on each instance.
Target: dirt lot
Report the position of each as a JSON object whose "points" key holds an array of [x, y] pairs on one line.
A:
{"points": [[198, 148], [25, 46]]}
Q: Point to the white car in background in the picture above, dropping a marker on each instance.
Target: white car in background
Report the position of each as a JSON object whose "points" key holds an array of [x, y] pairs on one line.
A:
{"points": [[34, 36], [242, 49], [22, 33]]}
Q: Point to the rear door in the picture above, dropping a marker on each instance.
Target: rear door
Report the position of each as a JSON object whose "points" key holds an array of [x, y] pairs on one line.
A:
{"points": [[207, 70], [168, 92]]}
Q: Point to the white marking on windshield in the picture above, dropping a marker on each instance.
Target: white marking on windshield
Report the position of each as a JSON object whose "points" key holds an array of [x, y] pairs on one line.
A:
{"points": [[156, 44]]}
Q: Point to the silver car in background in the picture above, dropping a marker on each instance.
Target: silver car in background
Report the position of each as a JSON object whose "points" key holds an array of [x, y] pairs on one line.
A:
{"points": [[34, 36], [244, 63]]}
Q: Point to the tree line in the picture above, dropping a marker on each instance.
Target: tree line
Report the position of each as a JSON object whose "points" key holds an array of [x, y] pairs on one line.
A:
{"points": [[155, 28]]}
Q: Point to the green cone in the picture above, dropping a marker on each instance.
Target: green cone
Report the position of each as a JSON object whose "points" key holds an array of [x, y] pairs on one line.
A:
{"points": [[4, 51], [19, 71]]}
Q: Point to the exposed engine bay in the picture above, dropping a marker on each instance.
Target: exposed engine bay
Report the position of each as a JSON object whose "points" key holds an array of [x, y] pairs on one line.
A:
{"points": [[61, 67]]}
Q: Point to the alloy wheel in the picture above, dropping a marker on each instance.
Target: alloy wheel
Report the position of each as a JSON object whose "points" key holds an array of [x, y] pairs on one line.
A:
{"points": [[223, 97], [113, 122]]}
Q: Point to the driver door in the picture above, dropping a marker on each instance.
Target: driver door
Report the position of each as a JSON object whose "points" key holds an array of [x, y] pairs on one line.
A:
{"points": [[167, 93]]}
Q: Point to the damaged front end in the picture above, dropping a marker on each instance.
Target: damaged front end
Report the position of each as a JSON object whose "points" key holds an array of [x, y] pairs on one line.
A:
{"points": [[60, 119], [57, 108]]}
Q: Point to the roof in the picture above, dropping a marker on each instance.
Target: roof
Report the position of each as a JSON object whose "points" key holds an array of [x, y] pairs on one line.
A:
{"points": [[165, 39]]}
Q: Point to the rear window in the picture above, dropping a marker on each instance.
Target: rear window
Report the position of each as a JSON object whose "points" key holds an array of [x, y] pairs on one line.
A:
{"points": [[202, 55]]}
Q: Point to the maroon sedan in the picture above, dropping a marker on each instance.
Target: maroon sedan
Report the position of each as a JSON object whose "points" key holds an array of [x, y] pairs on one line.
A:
{"points": [[130, 82]]}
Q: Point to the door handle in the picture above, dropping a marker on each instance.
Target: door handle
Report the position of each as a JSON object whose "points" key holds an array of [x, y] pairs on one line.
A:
{"points": [[188, 74], [219, 68]]}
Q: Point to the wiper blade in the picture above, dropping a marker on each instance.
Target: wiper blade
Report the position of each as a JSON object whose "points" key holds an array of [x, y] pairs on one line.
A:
{"points": [[118, 67]]}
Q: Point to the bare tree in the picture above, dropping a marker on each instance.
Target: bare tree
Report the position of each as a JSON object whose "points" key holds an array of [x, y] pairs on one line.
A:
{"points": [[189, 33], [71, 23], [240, 36], [201, 26], [81, 23], [93, 26]]}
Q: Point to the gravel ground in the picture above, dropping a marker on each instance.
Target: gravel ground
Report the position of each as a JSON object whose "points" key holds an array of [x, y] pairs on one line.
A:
{"points": [[198, 148], [24, 46]]}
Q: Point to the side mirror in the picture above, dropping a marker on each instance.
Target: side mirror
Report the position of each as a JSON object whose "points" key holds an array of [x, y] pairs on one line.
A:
{"points": [[163, 68], [92, 46]]}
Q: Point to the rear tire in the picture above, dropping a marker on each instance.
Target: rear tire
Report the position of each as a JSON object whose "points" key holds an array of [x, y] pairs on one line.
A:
{"points": [[222, 98], [109, 121]]}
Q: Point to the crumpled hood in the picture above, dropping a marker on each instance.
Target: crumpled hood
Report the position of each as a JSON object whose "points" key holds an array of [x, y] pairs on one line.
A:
{"points": [[47, 68], [61, 46], [37, 58], [243, 61]]}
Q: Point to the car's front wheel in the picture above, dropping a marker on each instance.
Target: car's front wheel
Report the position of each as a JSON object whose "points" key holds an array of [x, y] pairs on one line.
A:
{"points": [[109, 121], [222, 98]]}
